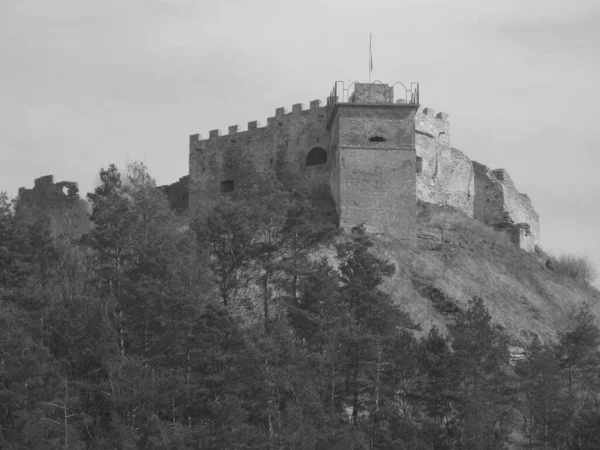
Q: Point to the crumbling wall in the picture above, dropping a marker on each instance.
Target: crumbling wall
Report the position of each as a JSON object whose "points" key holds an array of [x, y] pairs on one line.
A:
{"points": [[444, 174], [499, 204], [58, 205], [285, 140], [372, 182], [178, 194], [432, 125]]}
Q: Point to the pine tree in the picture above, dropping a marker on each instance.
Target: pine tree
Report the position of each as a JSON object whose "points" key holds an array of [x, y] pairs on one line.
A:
{"points": [[540, 391], [578, 356], [226, 234], [481, 384]]}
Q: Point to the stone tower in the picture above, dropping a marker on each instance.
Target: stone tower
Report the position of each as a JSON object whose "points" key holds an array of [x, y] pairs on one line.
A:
{"points": [[375, 154], [372, 147]]}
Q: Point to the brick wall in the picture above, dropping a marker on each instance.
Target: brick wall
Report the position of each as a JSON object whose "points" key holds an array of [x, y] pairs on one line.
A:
{"points": [[287, 138], [376, 165], [371, 181]]}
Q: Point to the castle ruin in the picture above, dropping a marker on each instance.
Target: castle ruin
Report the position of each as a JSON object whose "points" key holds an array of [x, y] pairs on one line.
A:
{"points": [[378, 151]]}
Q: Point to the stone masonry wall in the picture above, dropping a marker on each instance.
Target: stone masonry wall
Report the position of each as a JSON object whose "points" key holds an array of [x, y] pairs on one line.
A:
{"points": [[499, 204], [444, 174], [376, 164], [435, 126], [287, 138], [57, 204], [372, 182]]}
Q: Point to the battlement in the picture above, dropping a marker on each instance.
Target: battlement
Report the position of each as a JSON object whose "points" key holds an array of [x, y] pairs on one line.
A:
{"points": [[281, 114], [333, 144], [432, 125]]}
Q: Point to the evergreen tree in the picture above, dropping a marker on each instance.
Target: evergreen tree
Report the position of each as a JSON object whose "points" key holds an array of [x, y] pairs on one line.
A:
{"points": [[481, 384], [540, 392], [578, 357], [226, 236]]}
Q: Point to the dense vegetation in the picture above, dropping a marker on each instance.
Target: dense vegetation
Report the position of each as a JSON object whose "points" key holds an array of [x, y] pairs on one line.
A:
{"points": [[240, 332]]}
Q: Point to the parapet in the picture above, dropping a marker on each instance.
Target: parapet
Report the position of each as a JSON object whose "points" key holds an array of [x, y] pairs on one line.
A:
{"points": [[372, 93], [435, 126], [282, 113]]}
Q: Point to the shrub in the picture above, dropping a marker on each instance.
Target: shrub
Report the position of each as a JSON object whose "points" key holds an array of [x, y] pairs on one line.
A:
{"points": [[579, 268]]}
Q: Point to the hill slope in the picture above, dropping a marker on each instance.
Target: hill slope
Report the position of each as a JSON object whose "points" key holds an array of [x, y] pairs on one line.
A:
{"points": [[458, 258]]}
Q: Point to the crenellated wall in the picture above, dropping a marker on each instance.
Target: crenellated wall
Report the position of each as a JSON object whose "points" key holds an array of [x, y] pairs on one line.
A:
{"points": [[287, 138], [432, 125], [369, 181]]}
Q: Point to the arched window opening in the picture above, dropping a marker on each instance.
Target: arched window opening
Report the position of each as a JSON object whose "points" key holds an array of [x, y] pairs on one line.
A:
{"points": [[227, 186], [316, 157]]}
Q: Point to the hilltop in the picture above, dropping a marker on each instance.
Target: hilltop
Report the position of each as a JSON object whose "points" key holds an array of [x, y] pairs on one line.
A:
{"points": [[458, 258]]}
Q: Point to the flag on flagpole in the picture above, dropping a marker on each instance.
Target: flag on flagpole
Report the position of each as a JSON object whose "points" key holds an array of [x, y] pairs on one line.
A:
{"points": [[370, 55]]}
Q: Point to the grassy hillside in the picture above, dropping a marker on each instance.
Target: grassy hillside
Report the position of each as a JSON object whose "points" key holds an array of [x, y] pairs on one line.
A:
{"points": [[458, 258]]}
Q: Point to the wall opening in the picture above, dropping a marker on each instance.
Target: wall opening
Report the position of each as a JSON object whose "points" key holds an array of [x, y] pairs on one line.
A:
{"points": [[227, 186], [419, 165], [377, 139], [316, 157]]}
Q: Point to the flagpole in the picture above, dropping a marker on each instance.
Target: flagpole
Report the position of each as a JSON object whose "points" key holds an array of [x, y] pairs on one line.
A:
{"points": [[370, 56]]}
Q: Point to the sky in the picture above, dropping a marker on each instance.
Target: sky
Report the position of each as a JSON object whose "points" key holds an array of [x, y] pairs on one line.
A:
{"points": [[87, 83]]}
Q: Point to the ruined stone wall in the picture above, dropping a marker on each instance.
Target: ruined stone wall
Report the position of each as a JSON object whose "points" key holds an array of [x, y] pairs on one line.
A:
{"points": [[376, 165], [58, 205], [444, 174], [498, 203], [432, 125], [286, 139], [375, 182]]}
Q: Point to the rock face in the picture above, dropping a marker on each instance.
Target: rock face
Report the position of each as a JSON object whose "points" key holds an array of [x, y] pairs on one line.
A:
{"points": [[376, 156]]}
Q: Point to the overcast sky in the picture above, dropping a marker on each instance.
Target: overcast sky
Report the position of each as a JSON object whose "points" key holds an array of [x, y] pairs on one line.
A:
{"points": [[88, 83]]}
